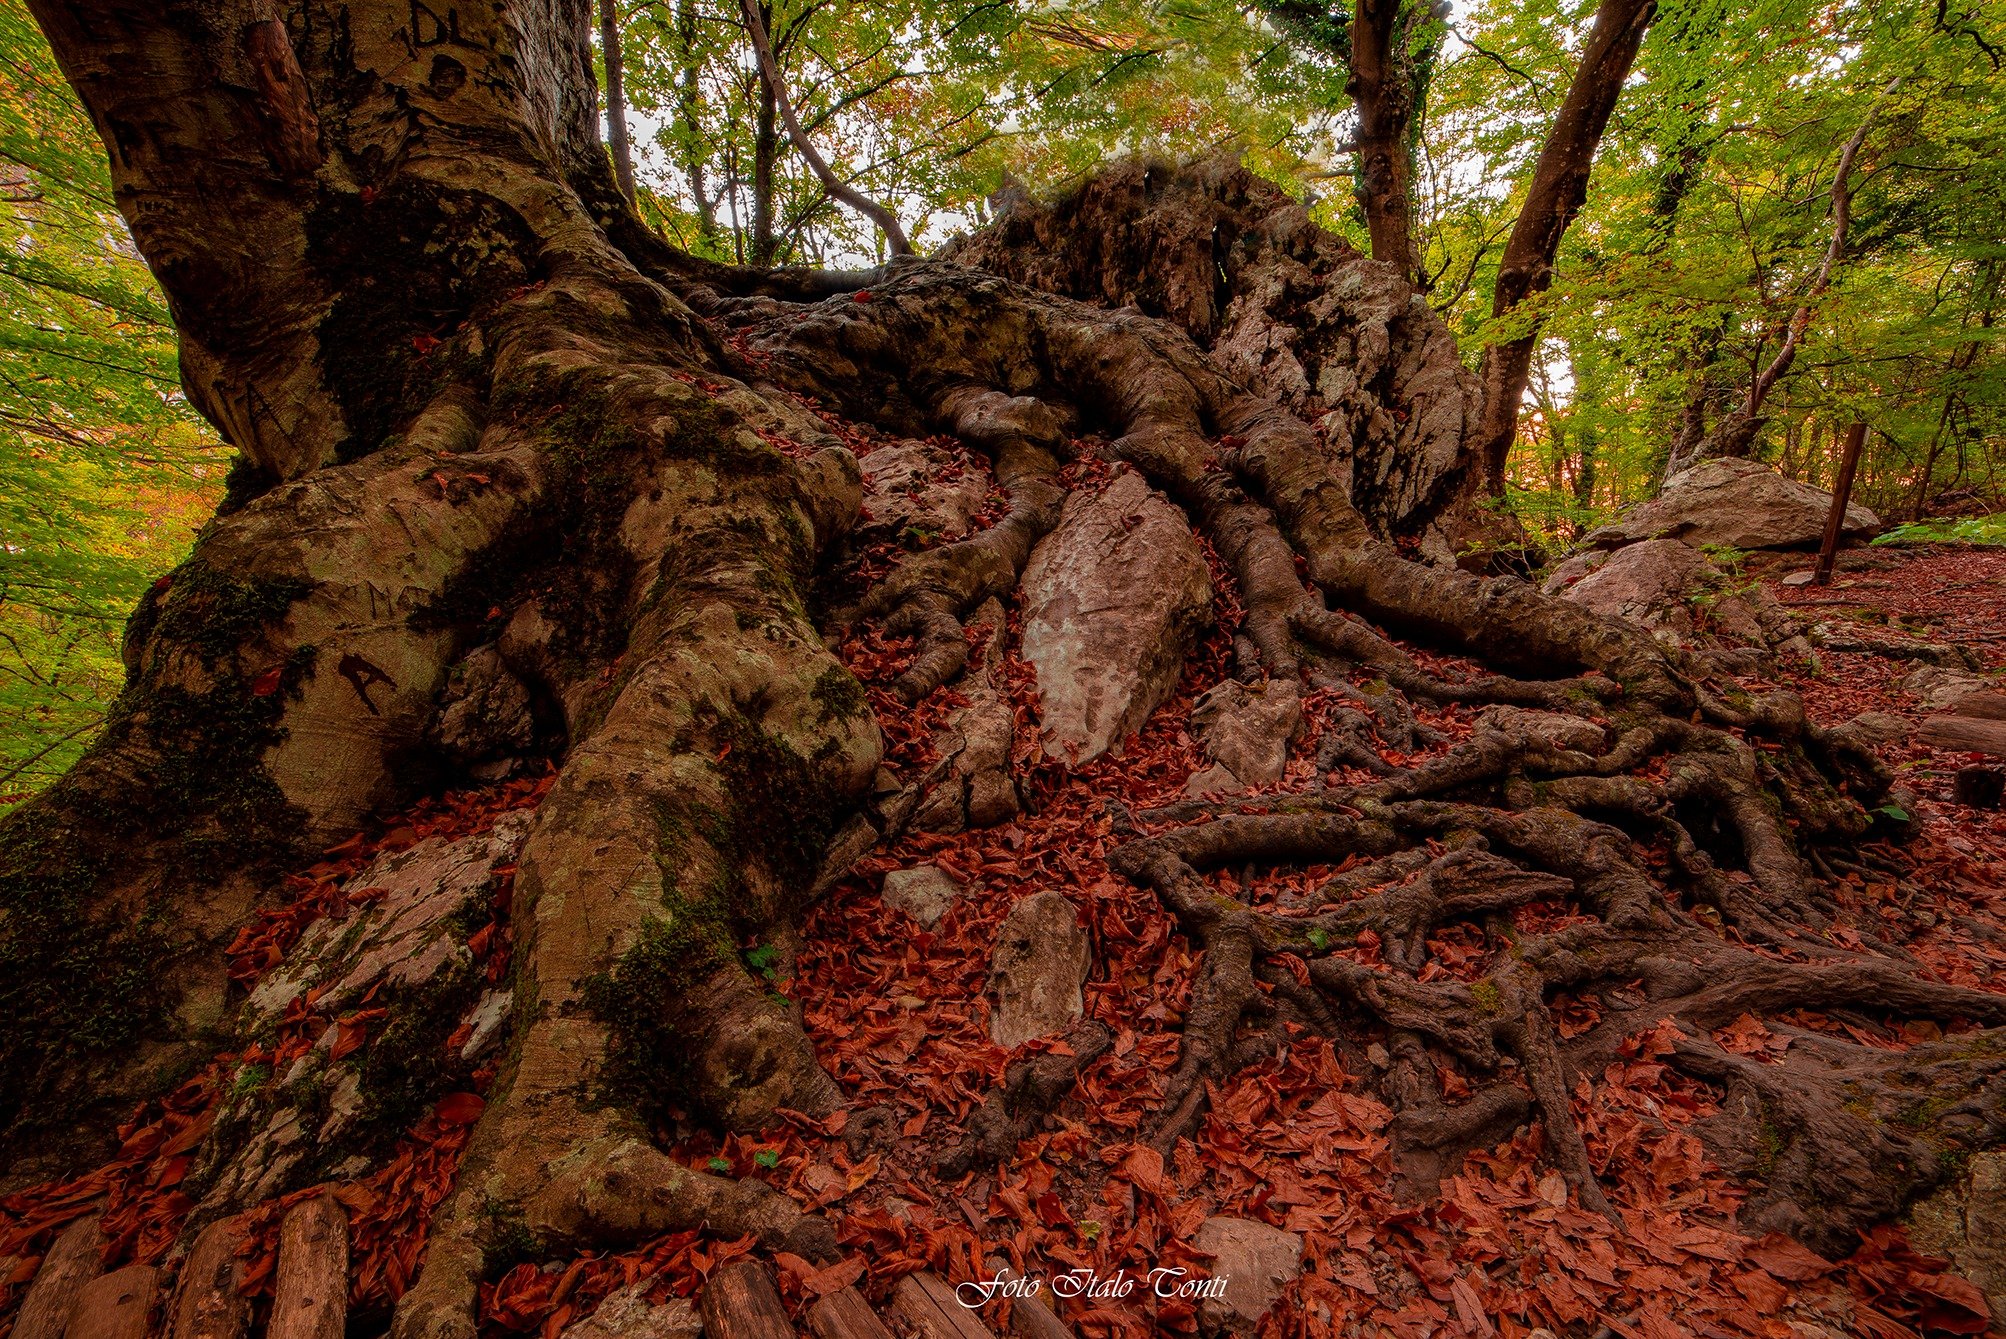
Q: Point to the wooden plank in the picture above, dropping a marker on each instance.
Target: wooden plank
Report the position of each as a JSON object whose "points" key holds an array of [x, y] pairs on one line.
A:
{"points": [[739, 1302], [208, 1303], [76, 1257], [310, 1291], [118, 1305], [1966, 734], [1030, 1317], [926, 1302], [846, 1315]]}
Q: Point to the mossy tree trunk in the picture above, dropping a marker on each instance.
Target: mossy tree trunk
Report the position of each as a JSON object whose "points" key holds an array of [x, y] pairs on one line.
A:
{"points": [[483, 411]]}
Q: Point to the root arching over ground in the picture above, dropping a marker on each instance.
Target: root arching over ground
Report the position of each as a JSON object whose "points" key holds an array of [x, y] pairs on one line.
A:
{"points": [[1517, 843]]}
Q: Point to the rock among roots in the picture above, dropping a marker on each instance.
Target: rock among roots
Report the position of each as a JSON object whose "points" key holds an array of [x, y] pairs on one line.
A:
{"points": [[924, 892], [1939, 688], [1646, 583], [1039, 965], [1736, 504], [1965, 1222], [398, 951], [627, 1314], [971, 786], [1112, 598], [1255, 1260], [1246, 728], [485, 714], [403, 938], [914, 485]]}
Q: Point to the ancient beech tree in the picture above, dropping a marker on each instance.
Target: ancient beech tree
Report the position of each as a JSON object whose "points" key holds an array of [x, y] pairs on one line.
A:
{"points": [[497, 434]]}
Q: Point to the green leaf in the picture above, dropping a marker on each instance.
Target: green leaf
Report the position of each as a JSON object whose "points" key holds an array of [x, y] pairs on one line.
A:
{"points": [[719, 1164], [767, 1158]]}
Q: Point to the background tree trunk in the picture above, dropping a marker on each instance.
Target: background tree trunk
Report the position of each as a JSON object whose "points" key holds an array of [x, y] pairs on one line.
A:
{"points": [[616, 99], [1559, 186]]}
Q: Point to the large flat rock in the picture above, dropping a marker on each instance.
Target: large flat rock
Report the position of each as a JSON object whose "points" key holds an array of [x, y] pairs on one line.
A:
{"points": [[1736, 504], [1112, 599]]}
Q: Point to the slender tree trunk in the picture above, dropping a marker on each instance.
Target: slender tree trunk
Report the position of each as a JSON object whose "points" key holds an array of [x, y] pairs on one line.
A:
{"points": [[1735, 435], [756, 23], [616, 98], [689, 100], [1559, 188], [765, 155]]}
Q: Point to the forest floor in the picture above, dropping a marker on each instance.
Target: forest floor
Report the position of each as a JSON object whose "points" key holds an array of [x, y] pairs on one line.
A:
{"points": [[1300, 1141]]}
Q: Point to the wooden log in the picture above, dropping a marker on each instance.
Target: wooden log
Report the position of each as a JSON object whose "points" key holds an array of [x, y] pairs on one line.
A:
{"points": [[310, 1290], [76, 1257], [208, 1304], [928, 1304], [1966, 734], [1984, 703], [846, 1315], [118, 1305], [739, 1302]]}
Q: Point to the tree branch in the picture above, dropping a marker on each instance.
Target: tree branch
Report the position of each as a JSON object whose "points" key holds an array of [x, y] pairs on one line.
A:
{"points": [[762, 47]]}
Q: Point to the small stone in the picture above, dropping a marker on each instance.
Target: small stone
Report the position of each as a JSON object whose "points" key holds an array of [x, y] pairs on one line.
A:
{"points": [[1257, 1262], [486, 713], [627, 1314], [1800, 578], [1247, 729], [1039, 965], [486, 1019], [1377, 1056], [1216, 779], [924, 892]]}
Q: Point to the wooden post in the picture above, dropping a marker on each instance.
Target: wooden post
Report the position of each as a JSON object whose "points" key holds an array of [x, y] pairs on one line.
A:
{"points": [[117, 1305], [845, 1314], [210, 1303], [76, 1258], [310, 1295], [927, 1304], [1842, 492], [739, 1302]]}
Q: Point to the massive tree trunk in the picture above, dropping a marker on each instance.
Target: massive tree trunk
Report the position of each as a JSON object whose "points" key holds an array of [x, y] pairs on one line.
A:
{"points": [[496, 431]]}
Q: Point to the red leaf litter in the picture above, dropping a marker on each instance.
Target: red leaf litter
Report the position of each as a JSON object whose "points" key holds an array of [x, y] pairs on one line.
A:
{"points": [[1298, 1141], [138, 1189]]}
